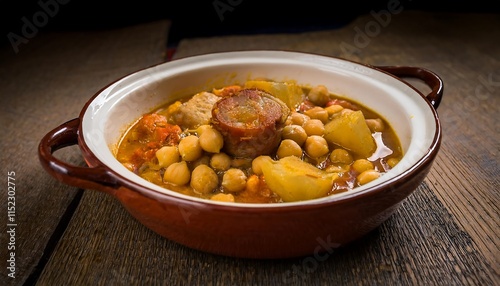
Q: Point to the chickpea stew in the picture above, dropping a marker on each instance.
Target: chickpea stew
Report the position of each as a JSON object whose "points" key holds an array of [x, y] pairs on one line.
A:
{"points": [[261, 142]]}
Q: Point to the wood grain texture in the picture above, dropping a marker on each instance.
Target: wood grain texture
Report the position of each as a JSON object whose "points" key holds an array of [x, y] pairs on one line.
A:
{"points": [[446, 233], [419, 245], [464, 49], [44, 85]]}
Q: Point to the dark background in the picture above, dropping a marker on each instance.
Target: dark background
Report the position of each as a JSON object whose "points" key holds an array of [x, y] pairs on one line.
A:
{"points": [[200, 18]]}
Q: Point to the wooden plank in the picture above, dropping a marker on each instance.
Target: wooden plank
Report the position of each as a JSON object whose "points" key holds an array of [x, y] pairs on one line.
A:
{"points": [[446, 233], [419, 245], [464, 49], [42, 86], [38, 211]]}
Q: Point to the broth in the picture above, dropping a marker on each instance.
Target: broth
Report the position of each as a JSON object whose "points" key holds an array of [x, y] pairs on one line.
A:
{"points": [[261, 142]]}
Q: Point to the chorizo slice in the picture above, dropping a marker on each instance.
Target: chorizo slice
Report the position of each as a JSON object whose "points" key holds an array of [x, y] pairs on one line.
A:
{"points": [[251, 122]]}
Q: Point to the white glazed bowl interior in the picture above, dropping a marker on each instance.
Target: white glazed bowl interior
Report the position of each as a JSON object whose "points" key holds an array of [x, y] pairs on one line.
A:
{"points": [[116, 107]]}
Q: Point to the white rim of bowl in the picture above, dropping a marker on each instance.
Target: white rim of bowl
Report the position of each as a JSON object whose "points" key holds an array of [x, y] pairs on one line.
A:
{"points": [[95, 141]]}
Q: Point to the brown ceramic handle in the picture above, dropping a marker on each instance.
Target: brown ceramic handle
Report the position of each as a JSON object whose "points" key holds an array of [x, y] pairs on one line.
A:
{"points": [[429, 77], [97, 178]]}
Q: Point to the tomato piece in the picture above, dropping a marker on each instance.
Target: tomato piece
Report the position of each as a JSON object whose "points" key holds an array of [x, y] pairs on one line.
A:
{"points": [[227, 91], [155, 128], [306, 105]]}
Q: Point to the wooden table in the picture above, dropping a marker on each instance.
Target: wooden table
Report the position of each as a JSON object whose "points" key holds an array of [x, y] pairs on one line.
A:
{"points": [[445, 233]]}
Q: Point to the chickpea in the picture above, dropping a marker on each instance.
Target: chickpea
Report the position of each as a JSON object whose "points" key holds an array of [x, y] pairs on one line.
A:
{"points": [[332, 109], [258, 162], [210, 139], [346, 111], [167, 155], [316, 146], [375, 125], [337, 168], [295, 133], [223, 198], [220, 162], [241, 163], [177, 173], [288, 147], [392, 162], [204, 179], [314, 127], [203, 160], [362, 165], [319, 95], [317, 113], [299, 118], [202, 128], [367, 176], [341, 156], [189, 148], [234, 180]]}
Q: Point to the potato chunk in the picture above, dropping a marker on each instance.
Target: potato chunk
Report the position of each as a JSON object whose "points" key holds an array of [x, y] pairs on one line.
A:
{"points": [[350, 131], [288, 92], [295, 180]]}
